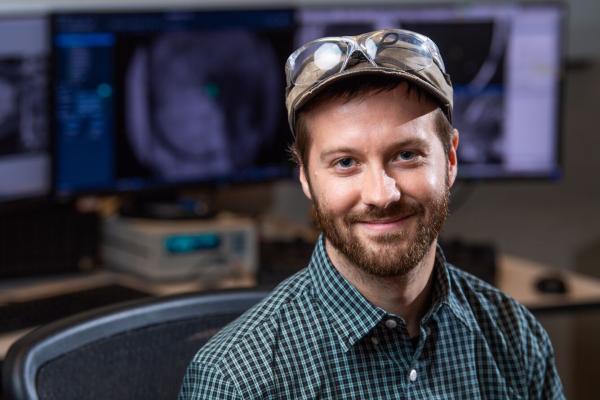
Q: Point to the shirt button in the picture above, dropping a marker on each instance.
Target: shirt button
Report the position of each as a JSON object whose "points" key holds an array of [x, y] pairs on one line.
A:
{"points": [[390, 323], [374, 340], [413, 375]]}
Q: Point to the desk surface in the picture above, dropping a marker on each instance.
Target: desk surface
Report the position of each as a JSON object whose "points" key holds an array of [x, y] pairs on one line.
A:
{"points": [[517, 277]]}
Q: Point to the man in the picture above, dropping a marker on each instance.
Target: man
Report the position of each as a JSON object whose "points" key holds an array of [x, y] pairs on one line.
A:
{"points": [[378, 313]]}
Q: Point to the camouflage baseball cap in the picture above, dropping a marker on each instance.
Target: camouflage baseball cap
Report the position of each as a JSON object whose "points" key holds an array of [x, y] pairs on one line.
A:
{"points": [[397, 53]]}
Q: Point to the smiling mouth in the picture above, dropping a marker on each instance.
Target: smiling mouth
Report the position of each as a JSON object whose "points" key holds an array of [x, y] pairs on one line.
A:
{"points": [[386, 224]]}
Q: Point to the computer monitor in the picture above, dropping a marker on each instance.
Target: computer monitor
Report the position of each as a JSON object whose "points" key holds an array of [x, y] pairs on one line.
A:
{"points": [[163, 99], [505, 64], [147, 100], [24, 159]]}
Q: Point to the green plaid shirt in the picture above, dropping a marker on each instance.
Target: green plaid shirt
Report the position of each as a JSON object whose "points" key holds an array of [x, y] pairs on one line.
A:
{"points": [[316, 336]]}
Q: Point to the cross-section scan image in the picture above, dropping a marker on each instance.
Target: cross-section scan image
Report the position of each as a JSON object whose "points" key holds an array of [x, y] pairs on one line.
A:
{"points": [[22, 104], [201, 103]]}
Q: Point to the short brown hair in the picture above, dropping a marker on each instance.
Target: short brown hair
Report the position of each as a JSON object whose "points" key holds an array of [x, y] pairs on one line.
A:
{"points": [[356, 88]]}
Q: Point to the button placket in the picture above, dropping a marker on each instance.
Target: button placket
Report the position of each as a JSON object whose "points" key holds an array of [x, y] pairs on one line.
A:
{"points": [[424, 335]]}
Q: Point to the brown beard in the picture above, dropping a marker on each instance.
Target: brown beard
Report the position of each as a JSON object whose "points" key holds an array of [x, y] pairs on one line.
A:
{"points": [[392, 258]]}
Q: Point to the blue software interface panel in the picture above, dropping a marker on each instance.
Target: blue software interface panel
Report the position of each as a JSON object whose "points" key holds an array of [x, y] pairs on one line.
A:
{"points": [[158, 99]]}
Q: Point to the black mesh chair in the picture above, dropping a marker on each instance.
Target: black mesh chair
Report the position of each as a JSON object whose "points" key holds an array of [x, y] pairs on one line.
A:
{"points": [[137, 350]]}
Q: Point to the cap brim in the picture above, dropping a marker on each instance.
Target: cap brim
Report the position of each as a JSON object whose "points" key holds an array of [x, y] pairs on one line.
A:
{"points": [[305, 97]]}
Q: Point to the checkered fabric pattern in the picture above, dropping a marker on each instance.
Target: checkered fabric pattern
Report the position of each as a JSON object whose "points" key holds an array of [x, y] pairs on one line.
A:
{"points": [[316, 336]]}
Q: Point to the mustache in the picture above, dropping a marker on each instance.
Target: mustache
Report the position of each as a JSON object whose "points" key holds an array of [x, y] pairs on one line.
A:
{"points": [[394, 211]]}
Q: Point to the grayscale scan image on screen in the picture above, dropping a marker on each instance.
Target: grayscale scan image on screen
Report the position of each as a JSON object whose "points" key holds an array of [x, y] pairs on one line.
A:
{"points": [[220, 86], [504, 61], [24, 160]]}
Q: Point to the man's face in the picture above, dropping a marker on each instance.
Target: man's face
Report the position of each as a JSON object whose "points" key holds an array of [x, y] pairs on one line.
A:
{"points": [[379, 179]]}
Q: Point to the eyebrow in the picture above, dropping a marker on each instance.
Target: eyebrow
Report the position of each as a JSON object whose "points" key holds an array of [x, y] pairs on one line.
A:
{"points": [[329, 153], [412, 142]]}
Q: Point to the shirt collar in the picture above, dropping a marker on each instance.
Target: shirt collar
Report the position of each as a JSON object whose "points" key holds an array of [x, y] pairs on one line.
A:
{"points": [[353, 316], [445, 292]]}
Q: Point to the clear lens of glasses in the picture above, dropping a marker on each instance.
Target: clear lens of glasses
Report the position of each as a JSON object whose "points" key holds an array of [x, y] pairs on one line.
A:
{"points": [[394, 48], [316, 61]]}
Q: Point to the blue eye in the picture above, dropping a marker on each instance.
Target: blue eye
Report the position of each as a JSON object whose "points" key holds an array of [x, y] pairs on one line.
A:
{"points": [[407, 155], [346, 162]]}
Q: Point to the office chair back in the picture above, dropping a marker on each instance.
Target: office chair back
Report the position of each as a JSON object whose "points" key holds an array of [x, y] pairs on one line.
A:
{"points": [[138, 350]]}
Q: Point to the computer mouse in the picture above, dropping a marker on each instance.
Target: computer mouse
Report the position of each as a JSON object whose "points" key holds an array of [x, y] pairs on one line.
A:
{"points": [[551, 284]]}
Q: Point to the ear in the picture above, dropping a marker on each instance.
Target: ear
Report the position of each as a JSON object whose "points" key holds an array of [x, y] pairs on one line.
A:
{"points": [[304, 181], [452, 158]]}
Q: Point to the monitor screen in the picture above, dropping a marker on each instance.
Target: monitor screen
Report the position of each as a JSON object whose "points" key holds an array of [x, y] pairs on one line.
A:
{"points": [[24, 159], [505, 64], [158, 99], [161, 99]]}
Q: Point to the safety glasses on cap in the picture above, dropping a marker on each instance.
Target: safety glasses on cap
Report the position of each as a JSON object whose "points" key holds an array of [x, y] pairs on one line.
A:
{"points": [[390, 48]]}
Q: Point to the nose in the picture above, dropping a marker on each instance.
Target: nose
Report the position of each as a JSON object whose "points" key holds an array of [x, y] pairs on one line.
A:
{"points": [[379, 189]]}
